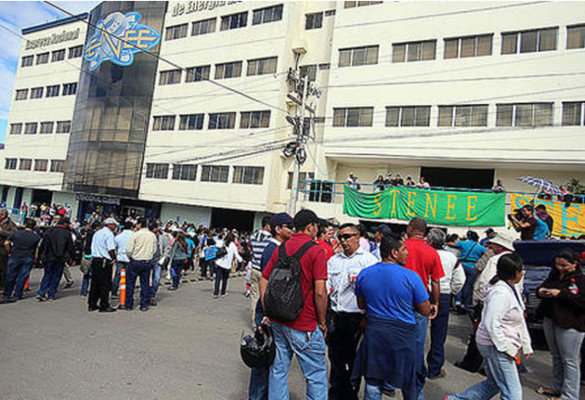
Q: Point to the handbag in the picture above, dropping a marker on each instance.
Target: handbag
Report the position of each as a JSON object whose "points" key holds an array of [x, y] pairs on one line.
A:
{"points": [[85, 265]]}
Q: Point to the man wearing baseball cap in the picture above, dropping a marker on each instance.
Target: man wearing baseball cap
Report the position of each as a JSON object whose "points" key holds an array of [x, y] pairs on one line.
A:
{"points": [[281, 228], [382, 230], [310, 326], [103, 251]]}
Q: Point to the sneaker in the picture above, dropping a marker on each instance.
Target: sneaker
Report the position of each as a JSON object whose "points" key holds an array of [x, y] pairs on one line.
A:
{"points": [[172, 288], [215, 296], [51, 299], [144, 309], [41, 298], [69, 284], [225, 294], [153, 302], [108, 310], [92, 308]]}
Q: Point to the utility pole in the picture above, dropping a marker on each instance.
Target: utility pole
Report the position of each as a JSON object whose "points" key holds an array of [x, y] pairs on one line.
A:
{"points": [[301, 128], [300, 133]]}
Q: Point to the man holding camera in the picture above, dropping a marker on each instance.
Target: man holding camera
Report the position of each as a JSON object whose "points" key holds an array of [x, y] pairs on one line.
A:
{"points": [[524, 222]]}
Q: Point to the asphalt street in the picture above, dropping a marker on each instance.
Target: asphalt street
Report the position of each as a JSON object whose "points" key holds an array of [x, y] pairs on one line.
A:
{"points": [[185, 348]]}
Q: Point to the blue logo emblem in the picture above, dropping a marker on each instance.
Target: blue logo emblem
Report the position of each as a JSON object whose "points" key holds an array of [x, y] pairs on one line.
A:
{"points": [[119, 36]]}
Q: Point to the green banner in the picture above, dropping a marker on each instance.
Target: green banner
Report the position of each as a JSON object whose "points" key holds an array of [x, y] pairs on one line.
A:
{"points": [[436, 207]]}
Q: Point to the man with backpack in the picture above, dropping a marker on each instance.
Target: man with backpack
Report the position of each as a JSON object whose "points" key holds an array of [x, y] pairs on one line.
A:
{"points": [[294, 296]]}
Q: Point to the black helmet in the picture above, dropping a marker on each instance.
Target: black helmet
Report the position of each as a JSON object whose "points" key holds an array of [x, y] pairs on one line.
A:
{"points": [[259, 350]]}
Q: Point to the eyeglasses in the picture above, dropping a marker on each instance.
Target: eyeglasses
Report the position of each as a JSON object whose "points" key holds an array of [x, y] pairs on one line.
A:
{"points": [[347, 236]]}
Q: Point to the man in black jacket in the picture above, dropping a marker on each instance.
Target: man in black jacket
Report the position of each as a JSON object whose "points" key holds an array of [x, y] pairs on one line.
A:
{"points": [[56, 250]]}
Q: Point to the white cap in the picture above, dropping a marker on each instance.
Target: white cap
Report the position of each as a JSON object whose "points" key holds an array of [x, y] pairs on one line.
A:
{"points": [[503, 240], [109, 221]]}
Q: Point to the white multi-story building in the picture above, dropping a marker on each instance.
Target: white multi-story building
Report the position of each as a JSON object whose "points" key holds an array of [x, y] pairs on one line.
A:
{"points": [[462, 93]]}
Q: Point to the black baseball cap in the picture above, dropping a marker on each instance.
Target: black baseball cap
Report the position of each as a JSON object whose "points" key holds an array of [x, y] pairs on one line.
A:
{"points": [[384, 230]]}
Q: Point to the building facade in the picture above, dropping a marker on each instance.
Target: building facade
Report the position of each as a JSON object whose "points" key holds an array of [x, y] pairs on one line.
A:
{"points": [[462, 93]]}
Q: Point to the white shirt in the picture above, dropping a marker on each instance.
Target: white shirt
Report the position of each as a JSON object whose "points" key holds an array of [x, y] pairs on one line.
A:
{"points": [[454, 278], [226, 261], [342, 272], [483, 280], [121, 243], [102, 242]]}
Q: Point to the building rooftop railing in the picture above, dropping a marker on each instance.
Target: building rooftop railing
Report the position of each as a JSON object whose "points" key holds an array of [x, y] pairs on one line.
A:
{"points": [[323, 191]]}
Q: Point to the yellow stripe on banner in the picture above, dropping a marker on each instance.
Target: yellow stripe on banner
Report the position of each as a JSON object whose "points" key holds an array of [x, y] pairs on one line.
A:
{"points": [[567, 221]]}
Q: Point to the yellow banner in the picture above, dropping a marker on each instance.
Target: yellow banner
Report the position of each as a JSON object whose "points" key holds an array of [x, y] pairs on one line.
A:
{"points": [[568, 221]]}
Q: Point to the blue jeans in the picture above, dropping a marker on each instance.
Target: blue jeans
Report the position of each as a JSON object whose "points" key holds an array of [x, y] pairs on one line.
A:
{"points": [[116, 280], [85, 283], [51, 278], [221, 275], [563, 345], [17, 273], [138, 269], [309, 348], [373, 390], [466, 294], [502, 377], [439, 325], [422, 323], [177, 267], [156, 271]]}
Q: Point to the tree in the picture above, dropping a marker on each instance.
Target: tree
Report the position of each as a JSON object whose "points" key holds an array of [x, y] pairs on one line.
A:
{"points": [[574, 186]]}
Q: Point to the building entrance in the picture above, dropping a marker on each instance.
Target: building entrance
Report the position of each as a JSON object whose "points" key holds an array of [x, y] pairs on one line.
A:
{"points": [[40, 196], [458, 177], [238, 219]]}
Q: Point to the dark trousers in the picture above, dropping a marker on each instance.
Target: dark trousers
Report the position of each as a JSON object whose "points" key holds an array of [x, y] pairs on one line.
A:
{"points": [[138, 269], [221, 275], [51, 278], [3, 265], [101, 283], [439, 325], [343, 338], [177, 267], [116, 282], [473, 359], [18, 273]]}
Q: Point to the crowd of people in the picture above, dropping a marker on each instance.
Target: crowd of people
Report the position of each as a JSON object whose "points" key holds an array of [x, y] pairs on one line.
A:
{"points": [[384, 182], [362, 300], [365, 301]]}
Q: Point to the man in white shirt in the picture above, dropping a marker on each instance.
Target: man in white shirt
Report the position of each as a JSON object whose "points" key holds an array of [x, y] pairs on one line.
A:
{"points": [[450, 284], [103, 251], [344, 330]]}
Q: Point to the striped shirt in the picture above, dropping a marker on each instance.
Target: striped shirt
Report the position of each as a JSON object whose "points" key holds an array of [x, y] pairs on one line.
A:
{"points": [[258, 242]]}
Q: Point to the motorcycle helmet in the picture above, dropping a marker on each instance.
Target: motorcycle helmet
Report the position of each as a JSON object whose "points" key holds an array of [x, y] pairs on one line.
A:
{"points": [[259, 350]]}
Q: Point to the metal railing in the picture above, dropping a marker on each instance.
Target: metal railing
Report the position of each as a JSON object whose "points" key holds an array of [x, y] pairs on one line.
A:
{"points": [[322, 191]]}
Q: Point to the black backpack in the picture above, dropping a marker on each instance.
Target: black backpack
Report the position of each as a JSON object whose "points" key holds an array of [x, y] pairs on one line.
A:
{"points": [[284, 298]]}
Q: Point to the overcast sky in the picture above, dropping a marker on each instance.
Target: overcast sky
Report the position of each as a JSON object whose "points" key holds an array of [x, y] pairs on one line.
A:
{"points": [[14, 16]]}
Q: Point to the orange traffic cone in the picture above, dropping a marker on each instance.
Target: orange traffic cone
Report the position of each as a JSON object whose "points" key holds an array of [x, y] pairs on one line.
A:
{"points": [[122, 288]]}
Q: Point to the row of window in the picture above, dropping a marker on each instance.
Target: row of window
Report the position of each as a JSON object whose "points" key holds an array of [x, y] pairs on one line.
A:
{"points": [[537, 40], [521, 114], [226, 120], [209, 173], [46, 128], [228, 22], [69, 89], [56, 55], [26, 164], [259, 66]]}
